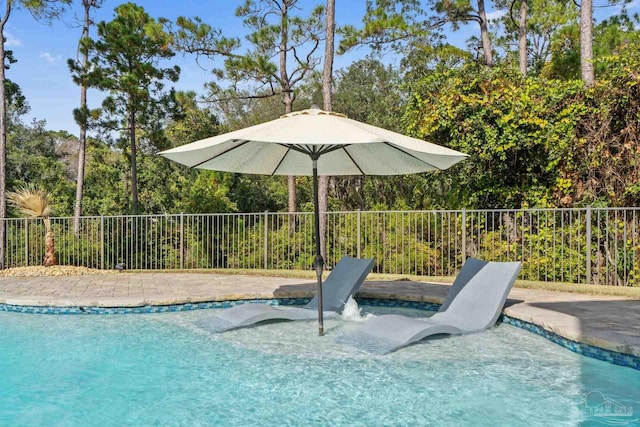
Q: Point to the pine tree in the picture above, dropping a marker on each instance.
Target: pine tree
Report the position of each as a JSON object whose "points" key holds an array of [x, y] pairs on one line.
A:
{"points": [[327, 105], [124, 61], [40, 10], [82, 114], [275, 32]]}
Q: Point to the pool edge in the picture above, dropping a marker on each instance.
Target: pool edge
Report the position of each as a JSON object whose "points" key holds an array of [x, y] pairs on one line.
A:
{"points": [[611, 356]]}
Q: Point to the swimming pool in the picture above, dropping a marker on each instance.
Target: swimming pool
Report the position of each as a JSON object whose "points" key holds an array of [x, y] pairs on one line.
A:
{"points": [[160, 369]]}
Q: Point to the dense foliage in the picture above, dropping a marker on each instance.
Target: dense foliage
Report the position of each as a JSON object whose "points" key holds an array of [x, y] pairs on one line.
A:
{"points": [[515, 98], [544, 140]]}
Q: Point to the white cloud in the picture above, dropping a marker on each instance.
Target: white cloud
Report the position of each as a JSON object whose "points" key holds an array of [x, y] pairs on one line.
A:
{"points": [[496, 14], [12, 40], [51, 59]]}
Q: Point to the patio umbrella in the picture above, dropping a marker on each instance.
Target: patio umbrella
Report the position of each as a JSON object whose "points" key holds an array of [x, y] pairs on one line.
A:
{"points": [[315, 142]]}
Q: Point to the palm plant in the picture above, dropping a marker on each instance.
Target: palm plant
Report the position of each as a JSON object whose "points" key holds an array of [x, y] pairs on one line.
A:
{"points": [[34, 203]]}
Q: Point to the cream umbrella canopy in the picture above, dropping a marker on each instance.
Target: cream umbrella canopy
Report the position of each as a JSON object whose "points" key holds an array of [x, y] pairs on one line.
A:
{"points": [[315, 142]]}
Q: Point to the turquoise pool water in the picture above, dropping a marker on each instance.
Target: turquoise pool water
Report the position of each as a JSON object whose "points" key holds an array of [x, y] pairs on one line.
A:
{"points": [[159, 369]]}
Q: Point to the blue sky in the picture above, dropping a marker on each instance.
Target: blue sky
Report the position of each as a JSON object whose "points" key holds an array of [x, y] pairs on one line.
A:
{"points": [[42, 50]]}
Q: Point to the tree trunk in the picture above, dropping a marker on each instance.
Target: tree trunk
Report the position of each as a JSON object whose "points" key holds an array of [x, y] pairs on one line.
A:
{"points": [[134, 165], [522, 44], [82, 143], [3, 137], [484, 35], [586, 42], [293, 201], [327, 71], [287, 98], [49, 247], [327, 80], [291, 180]]}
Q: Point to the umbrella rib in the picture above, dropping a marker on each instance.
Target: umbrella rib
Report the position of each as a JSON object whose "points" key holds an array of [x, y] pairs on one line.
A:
{"points": [[310, 149], [332, 148], [281, 160], [410, 155], [218, 155], [353, 160]]}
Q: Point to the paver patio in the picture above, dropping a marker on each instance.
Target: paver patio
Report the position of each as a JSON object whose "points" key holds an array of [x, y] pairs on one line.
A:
{"points": [[608, 322]]}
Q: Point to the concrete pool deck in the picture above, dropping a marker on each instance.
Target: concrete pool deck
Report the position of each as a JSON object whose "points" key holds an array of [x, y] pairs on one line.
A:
{"points": [[612, 323]]}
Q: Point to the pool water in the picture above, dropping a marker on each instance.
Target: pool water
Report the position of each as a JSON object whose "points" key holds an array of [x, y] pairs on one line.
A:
{"points": [[160, 369]]}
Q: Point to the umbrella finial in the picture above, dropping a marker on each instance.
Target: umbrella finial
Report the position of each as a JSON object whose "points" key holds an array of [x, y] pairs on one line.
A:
{"points": [[313, 111]]}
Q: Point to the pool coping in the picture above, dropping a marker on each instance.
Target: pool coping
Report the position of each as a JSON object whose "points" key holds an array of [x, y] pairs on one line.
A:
{"points": [[429, 304]]}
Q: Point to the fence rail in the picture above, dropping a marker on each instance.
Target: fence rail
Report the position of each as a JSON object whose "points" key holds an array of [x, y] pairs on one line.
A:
{"points": [[590, 245]]}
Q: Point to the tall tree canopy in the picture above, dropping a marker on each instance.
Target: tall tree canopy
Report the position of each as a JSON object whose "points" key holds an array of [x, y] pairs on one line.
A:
{"points": [[403, 24], [125, 61], [543, 139], [82, 113], [282, 52], [41, 10]]}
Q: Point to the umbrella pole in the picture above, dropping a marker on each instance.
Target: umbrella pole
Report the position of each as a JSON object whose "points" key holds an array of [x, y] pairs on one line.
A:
{"points": [[318, 262]]}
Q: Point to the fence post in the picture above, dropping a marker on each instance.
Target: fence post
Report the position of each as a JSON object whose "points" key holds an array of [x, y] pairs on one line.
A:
{"points": [[265, 225], [588, 220], [359, 250], [26, 242], [464, 235], [181, 240], [101, 242]]}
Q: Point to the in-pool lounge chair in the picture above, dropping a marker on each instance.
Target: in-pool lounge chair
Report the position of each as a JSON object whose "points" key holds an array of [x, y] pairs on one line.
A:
{"points": [[473, 304], [343, 281]]}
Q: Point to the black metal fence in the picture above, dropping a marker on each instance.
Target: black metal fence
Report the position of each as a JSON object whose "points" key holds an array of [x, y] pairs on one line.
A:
{"points": [[589, 245]]}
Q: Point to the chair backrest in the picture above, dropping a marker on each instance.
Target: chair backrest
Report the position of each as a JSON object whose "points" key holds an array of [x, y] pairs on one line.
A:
{"points": [[477, 300], [344, 280], [468, 270]]}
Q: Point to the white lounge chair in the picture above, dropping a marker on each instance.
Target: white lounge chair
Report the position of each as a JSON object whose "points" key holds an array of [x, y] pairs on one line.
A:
{"points": [[473, 304], [343, 281]]}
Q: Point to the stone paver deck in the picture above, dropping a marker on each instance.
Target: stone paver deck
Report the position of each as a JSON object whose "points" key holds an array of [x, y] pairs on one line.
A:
{"points": [[608, 322]]}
